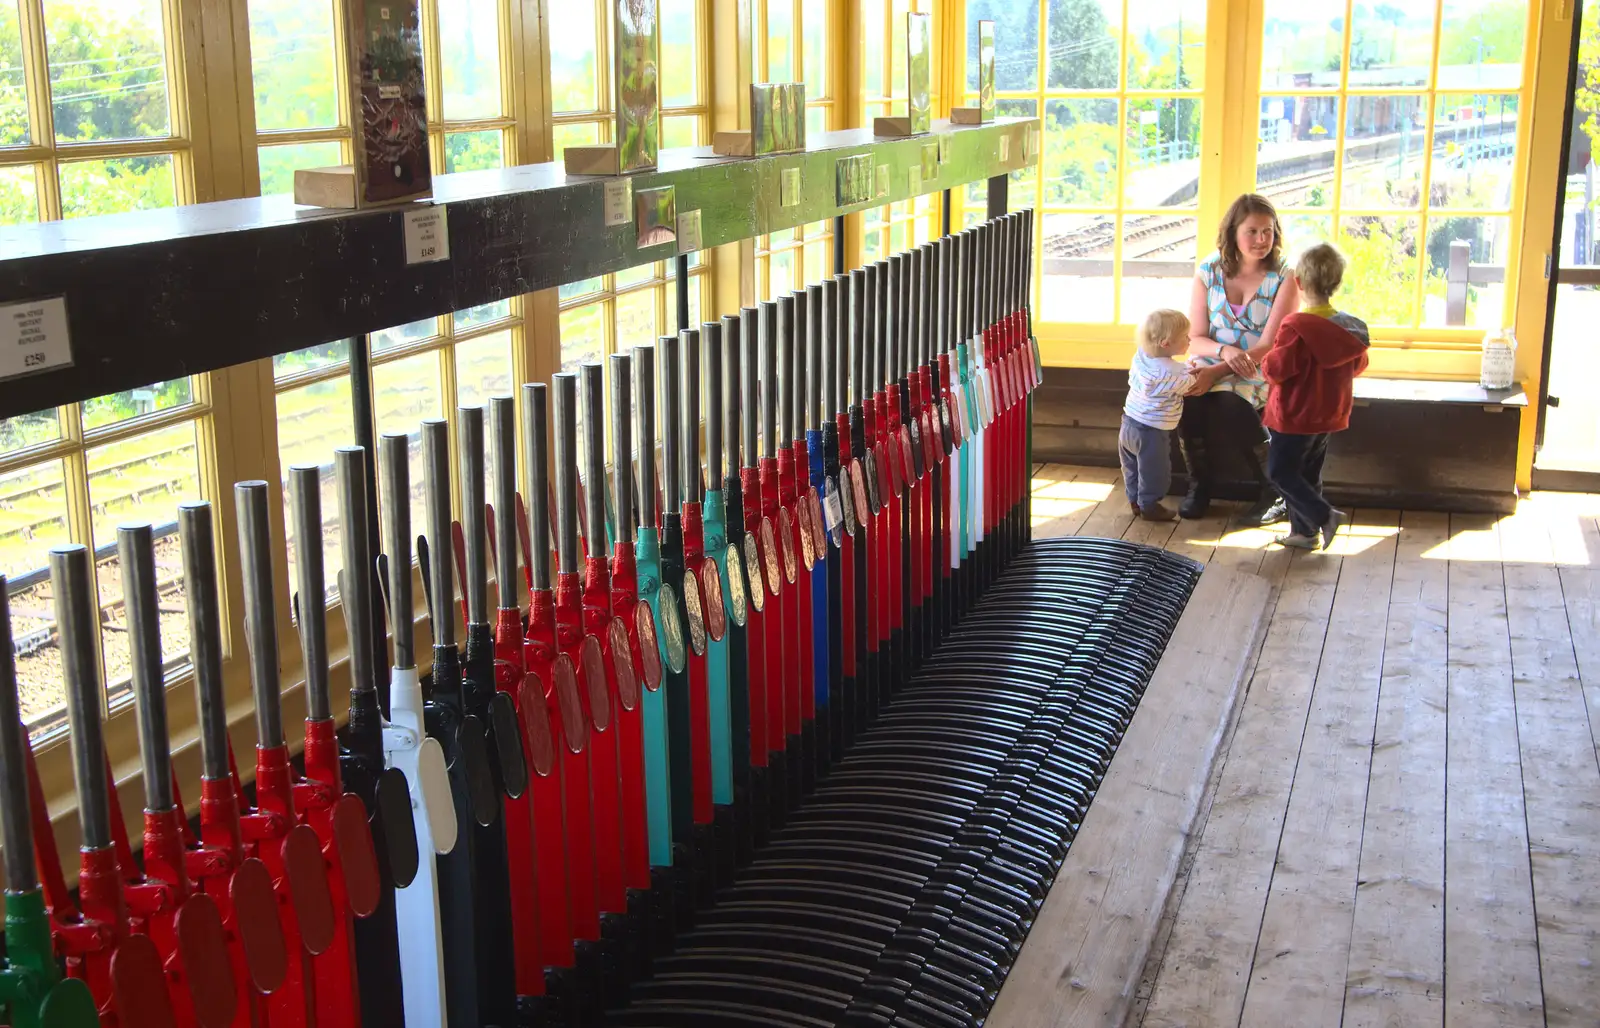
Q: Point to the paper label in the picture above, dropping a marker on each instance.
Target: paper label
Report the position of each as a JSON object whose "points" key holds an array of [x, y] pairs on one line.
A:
{"points": [[619, 201], [916, 180], [33, 337], [689, 231], [1005, 149], [832, 510], [789, 187], [427, 232], [883, 180], [944, 148]]}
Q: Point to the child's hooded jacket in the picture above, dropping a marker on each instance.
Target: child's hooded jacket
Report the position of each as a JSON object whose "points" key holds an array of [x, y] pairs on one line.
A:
{"points": [[1317, 355]]}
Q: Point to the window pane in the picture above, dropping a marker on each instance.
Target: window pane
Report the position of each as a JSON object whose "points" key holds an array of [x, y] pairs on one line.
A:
{"points": [[313, 421], [1380, 283], [392, 338], [33, 518], [115, 185], [780, 41], [1084, 44], [780, 274], [483, 315], [312, 358], [473, 151], [133, 403], [142, 479], [582, 134], [816, 261], [816, 121], [873, 245], [108, 69], [897, 50], [814, 70], [1078, 282], [1384, 140], [872, 51], [1080, 152], [1466, 266], [293, 63], [1166, 44], [1474, 150], [1480, 44], [25, 430], [683, 130], [483, 368], [636, 321], [19, 200], [1163, 153], [405, 394], [13, 96], [279, 163], [573, 290], [582, 335], [1303, 230], [572, 58], [1391, 44], [1298, 137], [1016, 37], [636, 274], [469, 51], [1158, 255], [1300, 46], [679, 65]]}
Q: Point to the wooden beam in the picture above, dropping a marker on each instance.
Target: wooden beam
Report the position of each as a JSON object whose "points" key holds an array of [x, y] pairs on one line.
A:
{"points": [[1081, 962]]}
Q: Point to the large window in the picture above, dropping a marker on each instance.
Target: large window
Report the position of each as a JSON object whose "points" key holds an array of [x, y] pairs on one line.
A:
{"points": [[89, 124], [1118, 89], [301, 96], [793, 44], [896, 226], [613, 313], [1392, 131]]}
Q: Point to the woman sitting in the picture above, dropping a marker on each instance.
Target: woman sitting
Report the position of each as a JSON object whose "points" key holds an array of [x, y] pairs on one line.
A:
{"points": [[1241, 294]]}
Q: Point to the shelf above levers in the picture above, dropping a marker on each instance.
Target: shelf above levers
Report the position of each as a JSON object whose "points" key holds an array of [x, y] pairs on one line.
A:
{"points": [[154, 295]]}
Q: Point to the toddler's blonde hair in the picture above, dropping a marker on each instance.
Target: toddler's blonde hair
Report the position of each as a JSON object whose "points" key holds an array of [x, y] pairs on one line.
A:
{"points": [[1320, 269], [1161, 327]]}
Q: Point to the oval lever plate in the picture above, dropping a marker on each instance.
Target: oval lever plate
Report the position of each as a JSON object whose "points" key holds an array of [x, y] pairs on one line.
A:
{"points": [[434, 787], [644, 626], [672, 628], [716, 613], [622, 663], [753, 573], [592, 658], [574, 726], [737, 597], [694, 613]]}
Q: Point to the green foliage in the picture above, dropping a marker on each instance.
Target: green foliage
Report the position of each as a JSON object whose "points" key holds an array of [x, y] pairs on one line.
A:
{"points": [[1380, 280], [107, 71], [472, 151], [1080, 164], [1499, 25], [1587, 96], [293, 64], [116, 185], [1083, 49]]}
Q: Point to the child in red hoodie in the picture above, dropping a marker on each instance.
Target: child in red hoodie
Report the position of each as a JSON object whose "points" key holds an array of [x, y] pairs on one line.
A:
{"points": [[1318, 353]]}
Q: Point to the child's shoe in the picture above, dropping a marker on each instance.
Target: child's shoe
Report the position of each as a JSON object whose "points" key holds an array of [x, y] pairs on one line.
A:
{"points": [[1156, 511], [1336, 520], [1298, 541]]}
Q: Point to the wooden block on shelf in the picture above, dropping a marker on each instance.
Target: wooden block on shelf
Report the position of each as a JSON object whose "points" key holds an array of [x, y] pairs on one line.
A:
{"points": [[966, 115], [326, 187], [591, 160], [740, 143], [891, 127]]}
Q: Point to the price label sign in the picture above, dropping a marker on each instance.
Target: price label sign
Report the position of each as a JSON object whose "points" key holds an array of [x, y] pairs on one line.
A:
{"points": [[427, 235], [619, 201], [1005, 149], [789, 187], [916, 180], [689, 231], [33, 337], [883, 180]]}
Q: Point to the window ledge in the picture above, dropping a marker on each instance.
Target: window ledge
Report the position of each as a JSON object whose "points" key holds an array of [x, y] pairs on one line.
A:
{"points": [[1416, 390]]}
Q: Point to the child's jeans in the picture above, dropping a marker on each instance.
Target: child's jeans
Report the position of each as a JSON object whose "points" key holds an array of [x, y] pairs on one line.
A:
{"points": [[1294, 463], [1146, 461]]}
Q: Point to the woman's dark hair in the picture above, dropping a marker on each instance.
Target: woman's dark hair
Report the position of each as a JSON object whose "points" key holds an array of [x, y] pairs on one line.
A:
{"points": [[1227, 236]]}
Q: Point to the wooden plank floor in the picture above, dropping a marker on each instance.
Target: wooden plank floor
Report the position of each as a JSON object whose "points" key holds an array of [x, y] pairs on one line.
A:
{"points": [[1403, 827]]}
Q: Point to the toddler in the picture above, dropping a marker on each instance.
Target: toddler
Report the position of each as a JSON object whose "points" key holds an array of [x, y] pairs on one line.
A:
{"points": [[1311, 368], [1157, 384]]}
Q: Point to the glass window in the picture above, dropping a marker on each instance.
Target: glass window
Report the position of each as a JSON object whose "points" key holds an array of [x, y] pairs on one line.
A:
{"points": [[116, 185], [108, 69], [278, 163], [1414, 165], [573, 85], [469, 51], [294, 65]]}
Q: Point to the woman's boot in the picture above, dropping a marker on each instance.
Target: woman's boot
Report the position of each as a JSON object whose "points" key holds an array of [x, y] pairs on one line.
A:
{"points": [[1198, 499], [1268, 508]]}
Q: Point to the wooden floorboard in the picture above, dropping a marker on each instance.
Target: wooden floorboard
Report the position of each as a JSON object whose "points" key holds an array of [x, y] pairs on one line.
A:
{"points": [[1402, 823], [1396, 963], [1560, 776], [1491, 951], [1207, 963], [1094, 932], [1299, 977]]}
